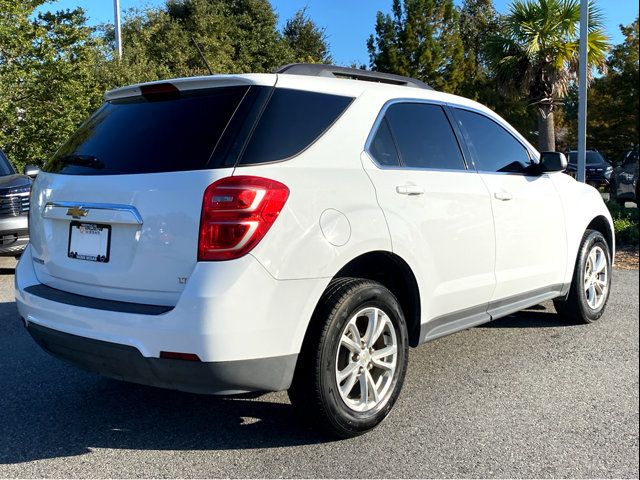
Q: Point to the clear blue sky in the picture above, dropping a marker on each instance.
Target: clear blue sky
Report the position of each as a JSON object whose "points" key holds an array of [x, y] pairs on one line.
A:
{"points": [[348, 23]]}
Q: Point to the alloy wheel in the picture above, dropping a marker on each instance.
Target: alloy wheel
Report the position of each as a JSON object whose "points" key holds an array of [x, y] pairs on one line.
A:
{"points": [[366, 360], [596, 279]]}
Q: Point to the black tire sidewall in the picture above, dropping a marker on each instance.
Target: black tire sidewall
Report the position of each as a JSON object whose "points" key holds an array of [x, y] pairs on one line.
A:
{"points": [[345, 419]]}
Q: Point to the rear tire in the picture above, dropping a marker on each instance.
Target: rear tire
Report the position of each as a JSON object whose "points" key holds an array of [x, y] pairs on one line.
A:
{"points": [[354, 358], [591, 283]]}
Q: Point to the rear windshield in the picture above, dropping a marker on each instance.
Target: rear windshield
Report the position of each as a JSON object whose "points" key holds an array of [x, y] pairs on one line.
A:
{"points": [[216, 128], [137, 135], [593, 158]]}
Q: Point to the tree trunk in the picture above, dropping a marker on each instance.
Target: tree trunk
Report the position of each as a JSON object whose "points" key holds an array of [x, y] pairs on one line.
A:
{"points": [[546, 129]]}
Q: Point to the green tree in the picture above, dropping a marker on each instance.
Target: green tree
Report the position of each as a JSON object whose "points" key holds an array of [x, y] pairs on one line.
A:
{"points": [[48, 81], [308, 42], [535, 55], [613, 104], [421, 39], [234, 36], [478, 21]]}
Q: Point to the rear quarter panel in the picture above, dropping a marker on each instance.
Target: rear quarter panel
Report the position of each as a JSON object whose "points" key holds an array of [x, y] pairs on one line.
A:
{"points": [[332, 214]]}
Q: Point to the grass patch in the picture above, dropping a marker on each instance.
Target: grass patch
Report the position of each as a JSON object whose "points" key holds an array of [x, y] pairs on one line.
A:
{"points": [[625, 222]]}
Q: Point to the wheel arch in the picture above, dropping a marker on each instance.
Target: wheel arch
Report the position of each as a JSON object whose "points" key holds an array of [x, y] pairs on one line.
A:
{"points": [[395, 274], [602, 225]]}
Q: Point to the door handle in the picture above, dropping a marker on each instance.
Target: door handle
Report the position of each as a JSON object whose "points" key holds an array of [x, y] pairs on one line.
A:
{"points": [[503, 195], [409, 190]]}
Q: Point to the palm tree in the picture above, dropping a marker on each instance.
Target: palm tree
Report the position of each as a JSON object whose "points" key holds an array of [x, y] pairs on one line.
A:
{"points": [[536, 54]]}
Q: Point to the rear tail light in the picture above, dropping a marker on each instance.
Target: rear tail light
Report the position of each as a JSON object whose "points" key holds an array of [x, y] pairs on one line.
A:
{"points": [[237, 212]]}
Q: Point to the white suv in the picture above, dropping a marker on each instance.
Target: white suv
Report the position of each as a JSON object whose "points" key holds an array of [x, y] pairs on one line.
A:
{"points": [[298, 230]]}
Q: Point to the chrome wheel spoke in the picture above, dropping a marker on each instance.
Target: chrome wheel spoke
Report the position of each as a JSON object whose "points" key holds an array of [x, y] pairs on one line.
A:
{"points": [[348, 370], [372, 385], [374, 327], [347, 386], [364, 389], [384, 352], [355, 333], [350, 344], [601, 284], [382, 364], [600, 264]]}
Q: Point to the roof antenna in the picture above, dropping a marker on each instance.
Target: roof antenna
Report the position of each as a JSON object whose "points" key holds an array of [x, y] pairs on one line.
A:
{"points": [[204, 59]]}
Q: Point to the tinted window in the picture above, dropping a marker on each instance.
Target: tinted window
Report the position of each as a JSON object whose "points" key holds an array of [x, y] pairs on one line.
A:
{"points": [[496, 150], [292, 121], [160, 134], [593, 158], [383, 148], [5, 166], [424, 136]]}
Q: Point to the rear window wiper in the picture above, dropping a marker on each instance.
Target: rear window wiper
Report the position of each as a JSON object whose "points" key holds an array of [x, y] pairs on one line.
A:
{"points": [[88, 161]]}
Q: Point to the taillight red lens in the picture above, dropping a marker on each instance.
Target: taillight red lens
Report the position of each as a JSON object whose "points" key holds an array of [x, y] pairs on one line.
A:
{"points": [[237, 212]]}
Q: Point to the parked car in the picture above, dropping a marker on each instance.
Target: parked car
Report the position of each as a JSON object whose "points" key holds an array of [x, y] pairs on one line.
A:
{"points": [[597, 170], [298, 230], [14, 208], [624, 180]]}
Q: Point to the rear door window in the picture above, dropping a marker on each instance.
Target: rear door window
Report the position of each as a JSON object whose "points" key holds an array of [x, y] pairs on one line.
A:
{"points": [[424, 136], [147, 135], [291, 122]]}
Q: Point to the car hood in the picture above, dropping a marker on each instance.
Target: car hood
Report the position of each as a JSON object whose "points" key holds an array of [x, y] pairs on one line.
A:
{"points": [[8, 182]]}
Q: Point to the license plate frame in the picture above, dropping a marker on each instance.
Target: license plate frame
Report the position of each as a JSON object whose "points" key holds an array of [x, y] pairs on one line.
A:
{"points": [[102, 251]]}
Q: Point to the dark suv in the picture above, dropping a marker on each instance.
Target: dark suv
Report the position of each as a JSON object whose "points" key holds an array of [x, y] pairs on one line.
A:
{"points": [[14, 209], [624, 181], [598, 170]]}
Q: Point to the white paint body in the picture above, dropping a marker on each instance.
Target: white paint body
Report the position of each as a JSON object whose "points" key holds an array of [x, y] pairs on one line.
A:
{"points": [[465, 246]]}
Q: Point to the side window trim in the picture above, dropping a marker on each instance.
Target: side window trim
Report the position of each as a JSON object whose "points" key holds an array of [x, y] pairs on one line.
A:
{"points": [[453, 107], [466, 158]]}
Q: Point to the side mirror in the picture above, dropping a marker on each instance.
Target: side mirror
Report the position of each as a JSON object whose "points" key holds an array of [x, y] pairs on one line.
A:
{"points": [[31, 171], [553, 162]]}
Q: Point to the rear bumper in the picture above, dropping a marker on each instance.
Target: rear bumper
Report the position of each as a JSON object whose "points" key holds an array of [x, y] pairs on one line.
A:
{"points": [[245, 326], [124, 362]]}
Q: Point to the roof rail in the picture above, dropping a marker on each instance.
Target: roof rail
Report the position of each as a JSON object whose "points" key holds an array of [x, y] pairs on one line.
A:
{"points": [[333, 71]]}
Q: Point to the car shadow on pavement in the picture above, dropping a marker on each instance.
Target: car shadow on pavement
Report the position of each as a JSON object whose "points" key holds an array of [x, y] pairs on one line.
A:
{"points": [[538, 316], [49, 409]]}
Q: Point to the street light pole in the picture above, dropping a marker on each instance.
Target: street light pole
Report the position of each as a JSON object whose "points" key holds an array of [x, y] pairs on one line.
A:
{"points": [[582, 91], [116, 14]]}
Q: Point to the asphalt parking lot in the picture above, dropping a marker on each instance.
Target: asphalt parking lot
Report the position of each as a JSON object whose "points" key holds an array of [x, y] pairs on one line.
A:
{"points": [[524, 396]]}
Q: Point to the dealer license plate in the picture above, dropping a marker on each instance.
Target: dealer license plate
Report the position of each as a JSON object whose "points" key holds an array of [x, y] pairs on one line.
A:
{"points": [[89, 241]]}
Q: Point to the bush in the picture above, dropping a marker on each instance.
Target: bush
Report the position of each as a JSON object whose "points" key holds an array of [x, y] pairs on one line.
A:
{"points": [[625, 223]]}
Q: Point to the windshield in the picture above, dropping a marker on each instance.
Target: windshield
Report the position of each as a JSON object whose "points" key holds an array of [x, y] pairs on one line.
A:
{"points": [[5, 165], [593, 158]]}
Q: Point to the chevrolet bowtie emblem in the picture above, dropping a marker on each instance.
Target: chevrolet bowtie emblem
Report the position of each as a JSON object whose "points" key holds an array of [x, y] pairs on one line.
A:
{"points": [[77, 212]]}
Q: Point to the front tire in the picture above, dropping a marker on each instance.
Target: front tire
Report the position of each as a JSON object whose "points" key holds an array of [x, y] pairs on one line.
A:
{"points": [[354, 358], [591, 281]]}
